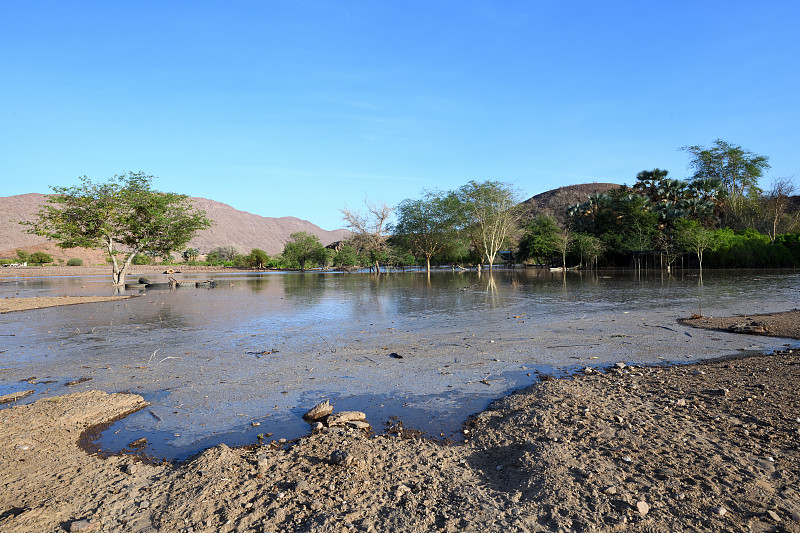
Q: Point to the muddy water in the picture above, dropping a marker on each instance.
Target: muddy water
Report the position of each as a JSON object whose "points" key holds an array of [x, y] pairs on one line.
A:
{"points": [[251, 355]]}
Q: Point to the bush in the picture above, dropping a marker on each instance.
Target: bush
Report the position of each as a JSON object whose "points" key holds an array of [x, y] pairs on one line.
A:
{"points": [[75, 262], [141, 259], [40, 258]]}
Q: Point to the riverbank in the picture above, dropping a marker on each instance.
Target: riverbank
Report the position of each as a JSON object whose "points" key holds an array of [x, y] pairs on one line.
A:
{"points": [[704, 447]]}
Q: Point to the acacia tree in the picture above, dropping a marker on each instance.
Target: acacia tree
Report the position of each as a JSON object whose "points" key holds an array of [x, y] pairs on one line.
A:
{"points": [[738, 171], [122, 212], [691, 236], [490, 215], [370, 231], [539, 239], [428, 225], [304, 248]]}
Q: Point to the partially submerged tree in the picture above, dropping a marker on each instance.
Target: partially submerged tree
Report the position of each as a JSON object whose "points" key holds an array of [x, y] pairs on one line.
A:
{"points": [[540, 240], [692, 237], [257, 258], [123, 215], [490, 215], [428, 225], [370, 231], [305, 248]]}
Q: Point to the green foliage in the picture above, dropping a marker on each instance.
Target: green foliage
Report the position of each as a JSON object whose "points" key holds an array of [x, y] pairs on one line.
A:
{"points": [[257, 258], [303, 249], [123, 211], [429, 225], [222, 254], [40, 258], [190, 254], [539, 240], [23, 256], [141, 259], [347, 256], [75, 262], [489, 209]]}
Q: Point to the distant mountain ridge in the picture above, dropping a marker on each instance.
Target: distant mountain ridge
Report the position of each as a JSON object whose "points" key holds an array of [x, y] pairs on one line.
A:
{"points": [[241, 229]]}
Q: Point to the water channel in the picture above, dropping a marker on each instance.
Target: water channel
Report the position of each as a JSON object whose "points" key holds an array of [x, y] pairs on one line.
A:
{"points": [[251, 355]]}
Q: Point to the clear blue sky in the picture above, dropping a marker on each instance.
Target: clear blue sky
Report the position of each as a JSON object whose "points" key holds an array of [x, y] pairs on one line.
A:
{"points": [[299, 108]]}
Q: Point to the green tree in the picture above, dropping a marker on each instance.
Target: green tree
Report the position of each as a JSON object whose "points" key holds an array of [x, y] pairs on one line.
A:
{"points": [[692, 237], [346, 256], [429, 225], [222, 254], [539, 239], [257, 258], [40, 258], [75, 262], [490, 215], [191, 254], [304, 248], [588, 247], [737, 170], [23, 256], [123, 211]]}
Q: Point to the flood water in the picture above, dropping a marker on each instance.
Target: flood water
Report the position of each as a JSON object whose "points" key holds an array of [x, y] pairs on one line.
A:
{"points": [[251, 355]]}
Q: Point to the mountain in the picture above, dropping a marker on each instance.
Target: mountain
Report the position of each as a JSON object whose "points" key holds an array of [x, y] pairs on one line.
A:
{"points": [[232, 227]]}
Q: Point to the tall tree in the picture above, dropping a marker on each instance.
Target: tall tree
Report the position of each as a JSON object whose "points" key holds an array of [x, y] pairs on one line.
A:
{"points": [[736, 168], [370, 230], [490, 215], [305, 248], [428, 225], [122, 212]]}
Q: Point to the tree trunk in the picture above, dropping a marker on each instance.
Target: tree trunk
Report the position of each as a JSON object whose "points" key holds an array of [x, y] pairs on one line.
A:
{"points": [[428, 264]]}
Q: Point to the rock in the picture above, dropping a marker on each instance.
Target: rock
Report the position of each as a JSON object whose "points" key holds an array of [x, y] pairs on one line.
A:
{"points": [[643, 507], [321, 410], [342, 418], [341, 458], [302, 485], [620, 365], [796, 516], [13, 397], [773, 515], [719, 511], [681, 403], [132, 468], [144, 281], [358, 424], [317, 426], [263, 460], [588, 370], [83, 525], [611, 489]]}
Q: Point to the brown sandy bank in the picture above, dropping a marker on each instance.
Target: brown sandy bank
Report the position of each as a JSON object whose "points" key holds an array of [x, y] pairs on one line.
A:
{"points": [[23, 304], [786, 324], [702, 447]]}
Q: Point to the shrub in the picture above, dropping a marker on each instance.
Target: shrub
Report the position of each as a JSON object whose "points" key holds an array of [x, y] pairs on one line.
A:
{"points": [[141, 259], [40, 258], [75, 262]]}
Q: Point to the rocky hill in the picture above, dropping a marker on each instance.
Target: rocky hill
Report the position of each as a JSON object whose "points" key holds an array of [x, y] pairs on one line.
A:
{"points": [[232, 227], [556, 201]]}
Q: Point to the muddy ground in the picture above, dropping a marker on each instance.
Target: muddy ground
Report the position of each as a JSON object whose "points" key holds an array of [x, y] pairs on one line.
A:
{"points": [[713, 446]]}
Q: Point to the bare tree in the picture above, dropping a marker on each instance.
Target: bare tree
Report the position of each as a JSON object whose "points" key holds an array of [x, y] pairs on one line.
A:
{"points": [[774, 204], [370, 230]]}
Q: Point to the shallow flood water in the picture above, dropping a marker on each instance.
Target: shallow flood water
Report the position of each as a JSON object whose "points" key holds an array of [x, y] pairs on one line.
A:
{"points": [[251, 355]]}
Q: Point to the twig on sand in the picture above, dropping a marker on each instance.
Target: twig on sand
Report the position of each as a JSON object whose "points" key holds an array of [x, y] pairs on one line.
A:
{"points": [[170, 357], [151, 357]]}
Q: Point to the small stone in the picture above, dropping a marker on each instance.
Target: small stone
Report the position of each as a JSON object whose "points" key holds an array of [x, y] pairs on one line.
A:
{"points": [[302, 485], [255, 424], [719, 511], [132, 468], [773, 515], [263, 460], [82, 525], [619, 365], [358, 424], [643, 507], [317, 426], [588, 370], [610, 490], [321, 410], [341, 457], [681, 403], [342, 418]]}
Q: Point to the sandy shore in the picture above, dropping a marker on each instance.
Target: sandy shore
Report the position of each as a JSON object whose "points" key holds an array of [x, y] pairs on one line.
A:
{"points": [[702, 447], [39, 302]]}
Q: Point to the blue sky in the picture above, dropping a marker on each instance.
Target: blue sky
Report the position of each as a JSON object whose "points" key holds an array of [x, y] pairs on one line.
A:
{"points": [[299, 108]]}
